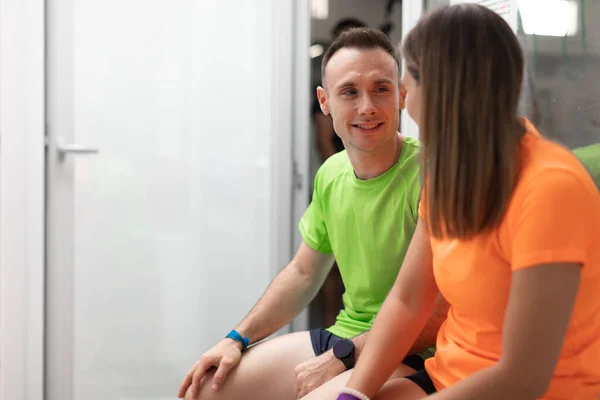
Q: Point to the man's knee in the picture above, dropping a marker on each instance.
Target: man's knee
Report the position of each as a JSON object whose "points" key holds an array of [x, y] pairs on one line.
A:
{"points": [[265, 372], [205, 392]]}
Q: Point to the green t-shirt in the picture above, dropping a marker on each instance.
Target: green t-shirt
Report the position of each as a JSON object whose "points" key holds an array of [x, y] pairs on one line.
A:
{"points": [[590, 157], [367, 225]]}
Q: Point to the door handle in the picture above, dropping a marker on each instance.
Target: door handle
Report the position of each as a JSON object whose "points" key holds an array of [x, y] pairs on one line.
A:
{"points": [[64, 149]]}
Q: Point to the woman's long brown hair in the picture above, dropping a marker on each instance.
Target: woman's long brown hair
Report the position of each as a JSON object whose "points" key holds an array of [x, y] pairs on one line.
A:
{"points": [[470, 66]]}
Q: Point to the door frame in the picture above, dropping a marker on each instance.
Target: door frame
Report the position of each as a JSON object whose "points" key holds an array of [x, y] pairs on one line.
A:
{"points": [[300, 130], [22, 169]]}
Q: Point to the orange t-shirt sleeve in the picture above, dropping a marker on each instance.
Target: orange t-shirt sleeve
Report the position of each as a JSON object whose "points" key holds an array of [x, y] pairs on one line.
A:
{"points": [[551, 220]]}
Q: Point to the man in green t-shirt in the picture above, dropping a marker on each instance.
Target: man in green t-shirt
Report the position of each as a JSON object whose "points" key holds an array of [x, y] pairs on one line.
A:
{"points": [[363, 213]]}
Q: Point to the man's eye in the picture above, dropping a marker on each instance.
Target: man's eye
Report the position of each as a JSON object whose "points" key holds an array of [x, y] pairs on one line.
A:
{"points": [[348, 92], [382, 90]]}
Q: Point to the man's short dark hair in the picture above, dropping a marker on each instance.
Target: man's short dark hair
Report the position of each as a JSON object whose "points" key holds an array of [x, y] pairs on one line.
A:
{"points": [[360, 38], [345, 24]]}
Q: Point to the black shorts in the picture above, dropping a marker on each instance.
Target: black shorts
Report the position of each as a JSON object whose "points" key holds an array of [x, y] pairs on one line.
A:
{"points": [[421, 379], [323, 341]]}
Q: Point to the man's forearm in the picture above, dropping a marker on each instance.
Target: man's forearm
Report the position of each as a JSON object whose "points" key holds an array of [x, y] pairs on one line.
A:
{"points": [[428, 335], [426, 338], [285, 297], [359, 343]]}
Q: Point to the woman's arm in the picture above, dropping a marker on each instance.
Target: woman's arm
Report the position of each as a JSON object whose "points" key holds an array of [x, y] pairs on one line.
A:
{"points": [[401, 318], [537, 316]]}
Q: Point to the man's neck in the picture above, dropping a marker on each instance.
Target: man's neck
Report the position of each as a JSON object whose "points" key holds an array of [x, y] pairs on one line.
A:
{"points": [[371, 165]]}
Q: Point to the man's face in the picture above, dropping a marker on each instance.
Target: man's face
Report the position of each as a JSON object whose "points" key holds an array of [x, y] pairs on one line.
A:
{"points": [[362, 94]]}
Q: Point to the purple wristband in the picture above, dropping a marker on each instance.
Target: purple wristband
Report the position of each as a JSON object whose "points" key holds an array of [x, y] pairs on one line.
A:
{"points": [[346, 396]]}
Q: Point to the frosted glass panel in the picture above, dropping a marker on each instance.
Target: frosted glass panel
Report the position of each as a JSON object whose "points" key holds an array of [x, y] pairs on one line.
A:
{"points": [[171, 219], [562, 90]]}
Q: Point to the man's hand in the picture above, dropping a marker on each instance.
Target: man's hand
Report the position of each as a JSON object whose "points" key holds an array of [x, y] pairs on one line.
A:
{"points": [[224, 356], [315, 372]]}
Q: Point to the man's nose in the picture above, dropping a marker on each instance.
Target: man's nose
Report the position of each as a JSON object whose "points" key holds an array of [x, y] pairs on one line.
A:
{"points": [[366, 106]]}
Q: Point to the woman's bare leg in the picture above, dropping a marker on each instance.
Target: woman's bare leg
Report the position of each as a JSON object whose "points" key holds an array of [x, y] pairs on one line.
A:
{"points": [[400, 389], [330, 390]]}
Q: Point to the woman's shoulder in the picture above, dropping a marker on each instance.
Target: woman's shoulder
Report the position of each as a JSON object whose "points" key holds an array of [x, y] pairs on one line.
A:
{"points": [[545, 159]]}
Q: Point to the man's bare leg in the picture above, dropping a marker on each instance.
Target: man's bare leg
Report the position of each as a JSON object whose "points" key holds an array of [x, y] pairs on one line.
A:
{"points": [[330, 390], [266, 371]]}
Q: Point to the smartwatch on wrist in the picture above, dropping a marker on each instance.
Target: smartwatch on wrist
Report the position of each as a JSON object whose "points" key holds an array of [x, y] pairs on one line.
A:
{"points": [[344, 351]]}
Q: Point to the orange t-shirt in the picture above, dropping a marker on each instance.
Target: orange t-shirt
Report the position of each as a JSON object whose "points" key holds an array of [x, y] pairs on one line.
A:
{"points": [[553, 216]]}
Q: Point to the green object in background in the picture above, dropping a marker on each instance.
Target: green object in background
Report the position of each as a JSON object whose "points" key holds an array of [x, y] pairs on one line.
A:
{"points": [[590, 157], [430, 352]]}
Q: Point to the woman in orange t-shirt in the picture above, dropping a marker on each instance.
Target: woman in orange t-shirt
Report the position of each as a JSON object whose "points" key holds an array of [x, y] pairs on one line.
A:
{"points": [[508, 234]]}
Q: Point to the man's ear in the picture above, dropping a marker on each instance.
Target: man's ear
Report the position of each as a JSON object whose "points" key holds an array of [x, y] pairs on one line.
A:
{"points": [[402, 104], [323, 102]]}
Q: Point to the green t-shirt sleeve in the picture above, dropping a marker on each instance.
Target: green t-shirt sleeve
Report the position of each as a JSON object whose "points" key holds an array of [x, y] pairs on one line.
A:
{"points": [[312, 225]]}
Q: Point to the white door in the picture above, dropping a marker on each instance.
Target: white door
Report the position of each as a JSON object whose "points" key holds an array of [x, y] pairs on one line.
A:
{"points": [[170, 138]]}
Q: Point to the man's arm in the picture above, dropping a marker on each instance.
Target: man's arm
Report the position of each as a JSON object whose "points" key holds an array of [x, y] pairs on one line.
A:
{"points": [[406, 309], [426, 338], [315, 372], [288, 294], [428, 335]]}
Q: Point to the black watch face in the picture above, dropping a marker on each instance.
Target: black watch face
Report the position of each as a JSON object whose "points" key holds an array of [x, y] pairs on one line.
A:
{"points": [[343, 348]]}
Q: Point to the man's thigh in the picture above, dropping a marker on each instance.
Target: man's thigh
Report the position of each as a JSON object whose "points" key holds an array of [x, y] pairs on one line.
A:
{"points": [[265, 372]]}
